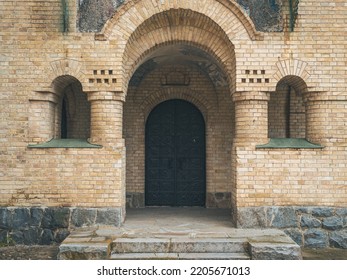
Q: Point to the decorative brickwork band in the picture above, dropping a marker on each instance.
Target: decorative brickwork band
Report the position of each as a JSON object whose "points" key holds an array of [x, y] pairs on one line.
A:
{"points": [[251, 95], [251, 114]]}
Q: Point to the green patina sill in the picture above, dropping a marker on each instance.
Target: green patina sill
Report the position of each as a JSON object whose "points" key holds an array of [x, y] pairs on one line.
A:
{"points": [[65, 143], [289, 143]]}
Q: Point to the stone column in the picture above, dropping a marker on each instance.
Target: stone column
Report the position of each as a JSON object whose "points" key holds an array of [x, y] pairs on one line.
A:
{"points": [[106, 118], [251, 118]]}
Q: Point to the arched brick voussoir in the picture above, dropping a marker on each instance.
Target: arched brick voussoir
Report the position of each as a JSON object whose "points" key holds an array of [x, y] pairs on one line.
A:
{"points": [[228, 15], [174, 18], [62, 72], [140, 49], [227, 65], [213, 44], [60, 83], [295, 72], [212, 26], [296, 82], [177, 93]]}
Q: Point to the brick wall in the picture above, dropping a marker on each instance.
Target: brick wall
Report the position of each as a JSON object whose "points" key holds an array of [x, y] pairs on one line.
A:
{"points": [[35, 52], [290, 177]]}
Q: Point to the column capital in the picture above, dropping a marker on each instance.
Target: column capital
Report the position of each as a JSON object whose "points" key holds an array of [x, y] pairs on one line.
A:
{"points": [[105, 96], [48, 96], [251, 95], [319, 96]]}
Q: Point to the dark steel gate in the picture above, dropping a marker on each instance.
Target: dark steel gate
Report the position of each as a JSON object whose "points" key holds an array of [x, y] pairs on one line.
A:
{"points": [[175, 155]]}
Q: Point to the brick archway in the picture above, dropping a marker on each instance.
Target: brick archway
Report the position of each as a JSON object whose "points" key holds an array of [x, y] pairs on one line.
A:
{"points": [[141, 27], [177, 93], [206, 32], [179, 27], [216, 10]]}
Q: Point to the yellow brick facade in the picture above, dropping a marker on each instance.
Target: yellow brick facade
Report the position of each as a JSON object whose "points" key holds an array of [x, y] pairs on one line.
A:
{"points": [[243, 107]]}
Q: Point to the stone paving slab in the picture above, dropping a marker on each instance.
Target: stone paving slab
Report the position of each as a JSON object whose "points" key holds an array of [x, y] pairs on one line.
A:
{"points": [[181, 256], [84, 251], [39, 252], [178, 245], [274, 251], [160, 227]]}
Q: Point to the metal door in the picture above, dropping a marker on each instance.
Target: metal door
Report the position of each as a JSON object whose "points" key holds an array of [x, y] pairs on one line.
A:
{"points": [[175, 155]]}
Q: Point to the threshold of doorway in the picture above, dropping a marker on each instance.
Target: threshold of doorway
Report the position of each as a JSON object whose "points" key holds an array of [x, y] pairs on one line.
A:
{"points": [[179, 219]]}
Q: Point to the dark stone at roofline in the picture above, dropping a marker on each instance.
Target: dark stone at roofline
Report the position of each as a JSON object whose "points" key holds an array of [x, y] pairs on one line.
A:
{"points": [[265, 14]]}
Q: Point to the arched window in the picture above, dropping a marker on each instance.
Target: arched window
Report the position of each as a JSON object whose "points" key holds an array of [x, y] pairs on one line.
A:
{"points": [[72, 111], [287, 116]]}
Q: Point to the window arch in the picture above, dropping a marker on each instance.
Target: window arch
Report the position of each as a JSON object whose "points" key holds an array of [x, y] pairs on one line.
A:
{"points": [[72, 110], [287, 113]]}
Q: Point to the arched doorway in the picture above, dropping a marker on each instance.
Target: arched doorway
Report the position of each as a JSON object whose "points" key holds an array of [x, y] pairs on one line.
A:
{"points": [[180, 65], [175, 155], [186, 72]]}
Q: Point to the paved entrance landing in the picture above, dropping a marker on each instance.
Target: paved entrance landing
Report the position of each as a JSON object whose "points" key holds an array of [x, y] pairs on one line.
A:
{"points": [[178, 233], [158, 221]]}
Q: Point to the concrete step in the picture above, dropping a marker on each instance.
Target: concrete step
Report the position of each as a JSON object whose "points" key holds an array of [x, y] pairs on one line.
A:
{"points": [[178, 245], [180, 256]]}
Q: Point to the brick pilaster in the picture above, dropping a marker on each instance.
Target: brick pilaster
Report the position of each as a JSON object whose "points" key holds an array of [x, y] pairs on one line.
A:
{"points": [[42, 116], [325, 119], [251, 117], [106, 117]]}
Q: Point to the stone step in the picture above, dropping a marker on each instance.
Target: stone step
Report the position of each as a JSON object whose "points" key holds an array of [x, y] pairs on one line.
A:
{"points": [[178, 245], [180, 256], [112, 243]]}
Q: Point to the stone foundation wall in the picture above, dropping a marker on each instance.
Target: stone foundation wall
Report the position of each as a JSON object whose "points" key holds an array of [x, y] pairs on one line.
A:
{"points": [[313, 227], [44, 226]]}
